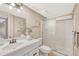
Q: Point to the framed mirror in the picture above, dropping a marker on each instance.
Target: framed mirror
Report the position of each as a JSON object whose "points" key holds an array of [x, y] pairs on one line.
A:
{"points": [[3, 28]]}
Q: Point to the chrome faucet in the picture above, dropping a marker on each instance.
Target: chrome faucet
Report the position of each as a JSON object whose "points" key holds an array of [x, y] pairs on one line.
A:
{"points": [[12, 41]]}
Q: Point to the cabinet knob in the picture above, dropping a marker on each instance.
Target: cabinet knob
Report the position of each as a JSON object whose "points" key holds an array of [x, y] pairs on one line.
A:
{"points": [[34, 54]]}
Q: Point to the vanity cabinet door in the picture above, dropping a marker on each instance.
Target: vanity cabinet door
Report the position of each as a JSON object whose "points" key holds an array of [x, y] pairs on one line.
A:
{"points": [[33, 53]]}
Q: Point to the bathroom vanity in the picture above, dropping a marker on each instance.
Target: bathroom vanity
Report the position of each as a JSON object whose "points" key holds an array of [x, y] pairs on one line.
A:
{"points": [[22, 47]]}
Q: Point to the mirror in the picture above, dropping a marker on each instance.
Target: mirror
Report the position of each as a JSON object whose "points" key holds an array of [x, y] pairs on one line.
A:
{"points": [[3, 28], [19, 26], [11, 26]]}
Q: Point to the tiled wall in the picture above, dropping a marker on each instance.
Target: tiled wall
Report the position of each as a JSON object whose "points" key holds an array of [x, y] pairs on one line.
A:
{"points": [[49, 33]]}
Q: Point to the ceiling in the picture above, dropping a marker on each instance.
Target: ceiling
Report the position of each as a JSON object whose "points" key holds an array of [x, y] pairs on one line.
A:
{"points": [[51, 10]]}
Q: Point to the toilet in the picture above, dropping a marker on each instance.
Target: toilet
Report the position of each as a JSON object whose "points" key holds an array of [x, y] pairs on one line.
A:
{"points": [[44, 50]]}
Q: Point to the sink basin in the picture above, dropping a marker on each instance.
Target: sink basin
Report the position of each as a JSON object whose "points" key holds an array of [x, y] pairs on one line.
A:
{"points": [[11, 46], [1, 45], [14, 45]]}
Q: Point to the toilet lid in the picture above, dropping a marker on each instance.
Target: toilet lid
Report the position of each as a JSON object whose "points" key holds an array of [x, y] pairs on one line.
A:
{"points": [[45, 47]]}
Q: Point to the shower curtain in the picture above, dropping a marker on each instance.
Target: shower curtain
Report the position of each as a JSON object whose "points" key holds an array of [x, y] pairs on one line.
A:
{"points": [[64, 37]]}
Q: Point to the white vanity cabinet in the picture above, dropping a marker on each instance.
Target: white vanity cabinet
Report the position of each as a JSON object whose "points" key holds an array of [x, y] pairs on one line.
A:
{"points": [[30, 48]]}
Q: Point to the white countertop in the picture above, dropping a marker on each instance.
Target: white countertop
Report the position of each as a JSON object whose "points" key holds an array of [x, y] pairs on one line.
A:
{"points": [[8, 48]]}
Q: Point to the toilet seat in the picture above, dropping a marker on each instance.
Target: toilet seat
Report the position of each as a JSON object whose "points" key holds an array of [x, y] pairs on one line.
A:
{"points": [[45, 49]]}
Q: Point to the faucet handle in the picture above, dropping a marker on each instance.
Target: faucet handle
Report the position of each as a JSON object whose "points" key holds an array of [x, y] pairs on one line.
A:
{"points": [[12, 41]]}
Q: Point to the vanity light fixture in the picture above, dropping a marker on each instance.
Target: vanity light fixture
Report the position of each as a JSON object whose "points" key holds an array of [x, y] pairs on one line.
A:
{"points": [[17, 6], [13, 4]]}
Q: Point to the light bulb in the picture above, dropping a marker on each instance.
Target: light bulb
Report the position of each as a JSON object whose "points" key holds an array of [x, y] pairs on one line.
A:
{"points": [[0, 3], [10, 7], [18, 10], [21, 8], [13, 4]]}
